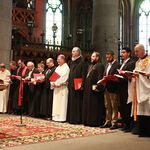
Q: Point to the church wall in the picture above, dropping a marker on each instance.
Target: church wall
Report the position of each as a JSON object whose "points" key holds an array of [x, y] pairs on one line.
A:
{"points": [[5, 30]]}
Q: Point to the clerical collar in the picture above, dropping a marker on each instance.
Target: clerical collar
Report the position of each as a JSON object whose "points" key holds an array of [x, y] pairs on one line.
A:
{"points": [[144, 57]]}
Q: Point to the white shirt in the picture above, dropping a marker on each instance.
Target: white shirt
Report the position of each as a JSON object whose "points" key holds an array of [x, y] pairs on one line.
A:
{"points": [[109, 66], [124, 63]]}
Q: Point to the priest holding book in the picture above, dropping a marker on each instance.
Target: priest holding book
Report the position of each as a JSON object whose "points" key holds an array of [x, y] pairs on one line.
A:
{"points": [[60, 95], [78, 70], [47, 92], [140, 91]]}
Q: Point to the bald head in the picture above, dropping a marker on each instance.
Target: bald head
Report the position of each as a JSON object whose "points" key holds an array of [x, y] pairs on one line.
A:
{"points": [[139, 50], [50, 62], [76, 52]]}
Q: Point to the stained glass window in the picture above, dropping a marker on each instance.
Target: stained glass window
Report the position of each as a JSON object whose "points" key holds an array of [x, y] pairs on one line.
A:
{"points": [[144, 24], [54, 22]]}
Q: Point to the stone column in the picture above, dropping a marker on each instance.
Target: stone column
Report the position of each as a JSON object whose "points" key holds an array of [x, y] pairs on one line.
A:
{"points": [[5, 30], [105, 26], [40, 12]]}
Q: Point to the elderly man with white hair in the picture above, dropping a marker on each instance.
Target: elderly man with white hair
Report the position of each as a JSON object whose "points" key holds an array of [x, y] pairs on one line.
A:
{"points": [[140, 91], [29, 87], [78, 70]]}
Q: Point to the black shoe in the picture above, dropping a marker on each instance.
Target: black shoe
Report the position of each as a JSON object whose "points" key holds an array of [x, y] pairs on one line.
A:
{"points": [[113, 127], [135, 131], [144, 135], [105, 126], [127, 130]]}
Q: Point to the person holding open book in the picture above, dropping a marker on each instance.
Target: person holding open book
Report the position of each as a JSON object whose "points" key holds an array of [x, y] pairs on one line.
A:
{"points": [[29, 87], [139, 92], [93, 99], [13, 85], [78, 70], [19, 95], [47, 92], [38, 83], [111, 92], [125, 108]]}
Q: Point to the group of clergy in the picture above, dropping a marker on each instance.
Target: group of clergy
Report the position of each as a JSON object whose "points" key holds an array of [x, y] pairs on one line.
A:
{"points": [[81, 91]]}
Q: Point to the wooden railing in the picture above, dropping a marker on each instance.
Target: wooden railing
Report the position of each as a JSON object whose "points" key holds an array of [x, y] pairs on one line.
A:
{"points": [[21, 16], [20, 19]]}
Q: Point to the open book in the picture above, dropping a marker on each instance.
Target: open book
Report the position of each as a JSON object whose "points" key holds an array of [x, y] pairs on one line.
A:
{"points": [[38, 76], [122, 72], [109, 78], [140, 72]]}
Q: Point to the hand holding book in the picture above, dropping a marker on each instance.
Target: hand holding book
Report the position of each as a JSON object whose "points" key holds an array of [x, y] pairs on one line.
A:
{"points": [[77, 83], [109, 78]]}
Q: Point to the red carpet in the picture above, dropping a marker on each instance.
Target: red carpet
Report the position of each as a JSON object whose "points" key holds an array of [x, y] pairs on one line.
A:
{"points": [[37, 130]]}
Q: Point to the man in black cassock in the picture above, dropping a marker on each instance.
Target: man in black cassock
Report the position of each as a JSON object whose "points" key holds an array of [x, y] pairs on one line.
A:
{"points": [[21, 72], [78, 69], [29, 88], [93, 100], [47, 93], [38, 89], [13, 86]]}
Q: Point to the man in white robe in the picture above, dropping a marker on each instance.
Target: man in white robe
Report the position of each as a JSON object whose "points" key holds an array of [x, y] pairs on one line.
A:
{"points": [[4, 94], [141, 108], [60, 95]]}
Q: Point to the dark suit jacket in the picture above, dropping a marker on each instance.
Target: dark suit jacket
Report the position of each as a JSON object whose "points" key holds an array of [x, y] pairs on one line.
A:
{"points": [[112, 86], [30, 86], [129, 66]]}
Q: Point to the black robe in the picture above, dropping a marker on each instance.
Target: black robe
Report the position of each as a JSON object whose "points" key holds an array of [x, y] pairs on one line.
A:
{"points": [[47, 95], [125, 109], [13, 88], [78, 69], [28, 93], [37, 96], [21, 73], [93, 101]]}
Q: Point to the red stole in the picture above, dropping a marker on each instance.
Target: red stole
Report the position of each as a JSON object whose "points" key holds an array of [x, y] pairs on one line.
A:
{"points": [[20, 94]]}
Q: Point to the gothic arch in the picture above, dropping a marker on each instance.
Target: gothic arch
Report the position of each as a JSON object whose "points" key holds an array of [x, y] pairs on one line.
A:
{"points": [[124, 10], [136, 17], [136, 21]]}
